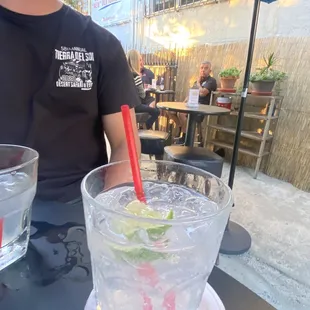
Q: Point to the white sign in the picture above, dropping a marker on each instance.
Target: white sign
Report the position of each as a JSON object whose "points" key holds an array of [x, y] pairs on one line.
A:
{"points": [[154, 83], [193, 98], [107, 12]]}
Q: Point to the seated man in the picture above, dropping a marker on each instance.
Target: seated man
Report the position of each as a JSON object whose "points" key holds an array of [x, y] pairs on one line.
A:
{"points": [[207, 84]]}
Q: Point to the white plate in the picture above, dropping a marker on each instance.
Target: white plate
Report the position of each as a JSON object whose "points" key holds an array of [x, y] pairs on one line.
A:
{"points": [[210, 301]]}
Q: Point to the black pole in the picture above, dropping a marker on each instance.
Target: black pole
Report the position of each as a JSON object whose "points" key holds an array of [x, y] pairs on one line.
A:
{"points": [[244, 92], [236, 239]]}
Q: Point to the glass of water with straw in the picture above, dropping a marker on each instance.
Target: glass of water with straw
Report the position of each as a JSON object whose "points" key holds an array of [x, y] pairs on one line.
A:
{"points": [[154, 234]]}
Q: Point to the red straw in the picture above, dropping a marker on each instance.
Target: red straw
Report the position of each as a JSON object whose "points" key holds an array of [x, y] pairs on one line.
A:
{"points": [[1, 231], [133, 156], [146, 270]]}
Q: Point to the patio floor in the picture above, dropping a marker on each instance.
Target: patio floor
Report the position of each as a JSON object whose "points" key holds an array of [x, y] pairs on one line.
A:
{"points": [[277, 215]]}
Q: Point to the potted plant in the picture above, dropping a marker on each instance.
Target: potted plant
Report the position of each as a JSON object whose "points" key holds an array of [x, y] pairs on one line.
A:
{"points": [[264, 79], [229, 77]]}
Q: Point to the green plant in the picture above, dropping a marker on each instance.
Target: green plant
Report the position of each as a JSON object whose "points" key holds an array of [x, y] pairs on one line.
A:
{"points": [[232, 72], [267, 73]]}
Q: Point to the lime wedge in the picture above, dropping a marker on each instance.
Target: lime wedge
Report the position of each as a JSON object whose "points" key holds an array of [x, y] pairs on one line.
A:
{"points": [[160, 230], [131, 228], [170, 215]]}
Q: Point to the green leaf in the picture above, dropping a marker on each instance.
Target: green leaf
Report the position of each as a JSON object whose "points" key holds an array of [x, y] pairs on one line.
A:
{"points": [[170, 215], [140, 255], [230, 72], [131, 229], [267, 73]]}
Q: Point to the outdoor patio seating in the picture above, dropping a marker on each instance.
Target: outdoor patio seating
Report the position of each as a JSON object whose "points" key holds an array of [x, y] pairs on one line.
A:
{"points": [[195, 156], [153, 142], [141, 119]]}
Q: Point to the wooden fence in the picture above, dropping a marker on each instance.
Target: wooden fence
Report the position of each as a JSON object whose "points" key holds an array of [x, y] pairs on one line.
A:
{"points": [[290, 153]]}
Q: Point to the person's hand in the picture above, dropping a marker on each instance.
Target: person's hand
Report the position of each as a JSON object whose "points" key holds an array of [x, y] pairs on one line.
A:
{"points": [[203, 91], [120, 173]]}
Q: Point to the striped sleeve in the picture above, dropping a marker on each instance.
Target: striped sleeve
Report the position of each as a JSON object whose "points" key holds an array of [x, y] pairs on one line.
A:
{"points": [[138, 80], [141, 91]]}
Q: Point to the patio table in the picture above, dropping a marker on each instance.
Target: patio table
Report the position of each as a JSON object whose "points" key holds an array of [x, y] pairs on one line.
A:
{"points": [[233, 294], [159, 93], [193, 113]]}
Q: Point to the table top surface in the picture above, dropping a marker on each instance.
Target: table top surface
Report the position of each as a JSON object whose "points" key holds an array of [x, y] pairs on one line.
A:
{"points": [[201, 109], [234, 295]]}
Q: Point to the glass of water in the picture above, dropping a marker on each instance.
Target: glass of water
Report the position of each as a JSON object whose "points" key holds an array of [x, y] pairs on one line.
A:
{"points": [[156, 256], [18, 181]]}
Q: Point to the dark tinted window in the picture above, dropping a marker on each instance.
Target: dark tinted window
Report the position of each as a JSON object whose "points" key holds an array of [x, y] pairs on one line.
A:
{"points": [[185, 2], [160, 5]]}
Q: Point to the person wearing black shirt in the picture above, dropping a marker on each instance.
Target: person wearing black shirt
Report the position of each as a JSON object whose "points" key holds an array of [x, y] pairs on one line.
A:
{"points": [[59, 94], [146, 74], [206, 84]]}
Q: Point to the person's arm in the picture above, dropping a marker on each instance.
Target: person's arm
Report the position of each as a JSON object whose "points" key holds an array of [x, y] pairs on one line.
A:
{"points": [[114, 129], [207, 87], [113, 72], [139, 86], [203, 91]]}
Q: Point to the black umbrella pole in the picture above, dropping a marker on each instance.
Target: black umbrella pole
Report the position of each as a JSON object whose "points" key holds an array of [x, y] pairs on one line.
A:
{"points": [[244, 92], [236, 239]]}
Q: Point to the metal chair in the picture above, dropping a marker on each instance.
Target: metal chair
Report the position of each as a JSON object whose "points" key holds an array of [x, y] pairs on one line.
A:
{"points": [[141, 119], [153, 142], [195, 156]]}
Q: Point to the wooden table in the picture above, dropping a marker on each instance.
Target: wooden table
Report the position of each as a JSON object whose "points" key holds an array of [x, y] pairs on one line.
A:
{"points": [[233, 294], [193, 114], [159, 93]]}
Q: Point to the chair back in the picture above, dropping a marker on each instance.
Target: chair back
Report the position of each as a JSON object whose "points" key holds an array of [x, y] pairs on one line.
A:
{"points": [[142, 118]]}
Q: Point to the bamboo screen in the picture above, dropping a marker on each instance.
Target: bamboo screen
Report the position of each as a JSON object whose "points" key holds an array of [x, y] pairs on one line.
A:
{"points": [[290, 151]]}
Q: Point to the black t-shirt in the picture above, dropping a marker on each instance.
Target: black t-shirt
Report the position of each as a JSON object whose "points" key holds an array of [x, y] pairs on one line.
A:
{"points": [[211, 85], [60, 73], [147, 76]]}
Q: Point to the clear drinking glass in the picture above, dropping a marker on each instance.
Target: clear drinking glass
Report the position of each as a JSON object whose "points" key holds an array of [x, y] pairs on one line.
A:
{"points": [[157, 257], [18, 181]]}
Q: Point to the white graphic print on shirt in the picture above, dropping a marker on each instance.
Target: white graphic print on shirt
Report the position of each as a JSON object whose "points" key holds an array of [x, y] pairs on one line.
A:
{"points": [[75, 70]]}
